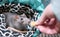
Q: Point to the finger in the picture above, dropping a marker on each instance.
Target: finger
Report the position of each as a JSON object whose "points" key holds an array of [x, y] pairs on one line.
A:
{"points": [[41, 20], [43, 17], [47, 21], [52, 21]]}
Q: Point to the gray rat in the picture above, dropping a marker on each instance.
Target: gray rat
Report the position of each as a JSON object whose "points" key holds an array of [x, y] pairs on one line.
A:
{"points": [[17, 21]]}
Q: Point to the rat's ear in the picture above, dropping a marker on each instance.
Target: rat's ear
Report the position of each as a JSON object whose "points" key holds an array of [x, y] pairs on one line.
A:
{"points": [[16, 17]]}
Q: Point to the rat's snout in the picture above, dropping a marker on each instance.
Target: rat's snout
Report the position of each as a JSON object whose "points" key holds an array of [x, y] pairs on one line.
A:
{"points": [[25, 21], [29, 21]]}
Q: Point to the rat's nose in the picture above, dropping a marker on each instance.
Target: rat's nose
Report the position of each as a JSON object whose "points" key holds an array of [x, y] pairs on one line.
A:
{"points": [[29, 21]]}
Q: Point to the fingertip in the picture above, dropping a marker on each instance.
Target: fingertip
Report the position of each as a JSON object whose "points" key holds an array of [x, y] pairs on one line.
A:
{"points": [[52, 21]]}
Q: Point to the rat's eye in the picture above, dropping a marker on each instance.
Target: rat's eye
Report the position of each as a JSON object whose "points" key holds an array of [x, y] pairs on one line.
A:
{"points": [[21, 18]]}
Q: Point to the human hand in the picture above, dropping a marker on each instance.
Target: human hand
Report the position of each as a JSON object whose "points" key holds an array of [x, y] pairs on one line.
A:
{"points": [[48, 23]]}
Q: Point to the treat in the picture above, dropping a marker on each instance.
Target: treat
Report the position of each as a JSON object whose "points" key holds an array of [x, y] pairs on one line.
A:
{"points": [[33, 23]]}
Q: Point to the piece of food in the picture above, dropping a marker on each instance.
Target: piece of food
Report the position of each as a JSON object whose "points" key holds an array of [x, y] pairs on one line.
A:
{"points": [[33, 23]]}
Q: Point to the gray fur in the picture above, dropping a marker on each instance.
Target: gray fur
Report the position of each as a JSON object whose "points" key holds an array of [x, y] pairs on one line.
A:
{"points": [[19, 24]]}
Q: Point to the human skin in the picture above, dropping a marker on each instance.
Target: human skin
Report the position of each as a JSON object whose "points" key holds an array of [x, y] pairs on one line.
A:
{"points": [[48, 23]]}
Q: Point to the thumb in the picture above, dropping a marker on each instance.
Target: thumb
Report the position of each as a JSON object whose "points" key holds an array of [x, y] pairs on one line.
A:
{"points": [[41, 20]]}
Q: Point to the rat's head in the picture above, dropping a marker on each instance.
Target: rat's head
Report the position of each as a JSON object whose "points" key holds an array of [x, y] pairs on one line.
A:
{"points": [[21, 21]]}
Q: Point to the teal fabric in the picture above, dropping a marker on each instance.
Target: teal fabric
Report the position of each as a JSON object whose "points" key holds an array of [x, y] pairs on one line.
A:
{"points": [[37, 32], [35, 4], [2, 2]]}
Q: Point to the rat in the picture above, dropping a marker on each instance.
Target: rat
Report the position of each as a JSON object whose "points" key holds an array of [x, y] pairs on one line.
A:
{"points": [[16, 21]]}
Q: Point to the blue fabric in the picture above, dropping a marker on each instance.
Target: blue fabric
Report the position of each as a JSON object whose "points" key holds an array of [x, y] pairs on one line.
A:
{"points": [[35, 4]]}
